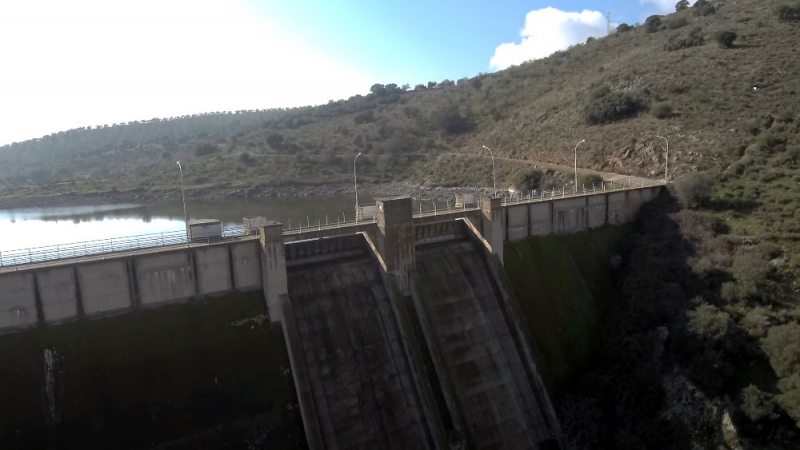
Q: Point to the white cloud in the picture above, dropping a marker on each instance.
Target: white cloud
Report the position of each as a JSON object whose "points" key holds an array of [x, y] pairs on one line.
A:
{"points": [[89, 62], [664, 6], [547, 31]]}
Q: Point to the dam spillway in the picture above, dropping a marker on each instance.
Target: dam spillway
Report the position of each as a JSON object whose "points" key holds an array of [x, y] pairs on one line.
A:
{"points": [[358, 370], [479, 361]]}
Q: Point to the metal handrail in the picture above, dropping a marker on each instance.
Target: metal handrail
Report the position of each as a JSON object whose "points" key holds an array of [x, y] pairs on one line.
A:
{"points": [[59, 252], [130, 243]]}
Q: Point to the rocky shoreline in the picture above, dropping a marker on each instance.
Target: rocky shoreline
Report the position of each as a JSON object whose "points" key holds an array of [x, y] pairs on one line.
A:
{"points": [[241, 193]]}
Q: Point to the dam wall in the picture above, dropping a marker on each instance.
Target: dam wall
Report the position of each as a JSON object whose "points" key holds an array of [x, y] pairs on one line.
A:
{"points": [[492, 392], [116, 284], [357, 383]]}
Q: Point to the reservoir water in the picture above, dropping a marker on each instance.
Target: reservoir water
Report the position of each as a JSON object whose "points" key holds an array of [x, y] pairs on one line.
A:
{"points": [[38, 227]]}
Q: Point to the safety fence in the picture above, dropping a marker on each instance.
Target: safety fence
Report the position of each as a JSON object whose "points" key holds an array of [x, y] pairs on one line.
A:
{"points": [[423, 208], [112, 245]]}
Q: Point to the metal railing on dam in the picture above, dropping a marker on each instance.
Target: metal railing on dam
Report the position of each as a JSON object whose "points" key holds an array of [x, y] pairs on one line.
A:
{"points": [[54, 253]]}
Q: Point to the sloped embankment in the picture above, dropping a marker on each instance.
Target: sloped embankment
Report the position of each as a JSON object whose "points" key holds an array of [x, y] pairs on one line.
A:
{"points": [[359, 374], [564, 285]]}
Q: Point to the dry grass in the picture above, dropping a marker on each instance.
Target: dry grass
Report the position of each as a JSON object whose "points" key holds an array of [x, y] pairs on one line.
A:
{"points": [[534, 111]]}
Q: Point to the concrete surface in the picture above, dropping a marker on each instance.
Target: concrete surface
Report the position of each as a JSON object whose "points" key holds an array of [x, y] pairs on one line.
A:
{"points": [[489, 395], [246, 265], [569, 215], [213, 270], [617, 212], [596, 206], [57, 292], [165, 277], [17, 300], [541, 218], [359, 375], [517, 217], [104, 286]]}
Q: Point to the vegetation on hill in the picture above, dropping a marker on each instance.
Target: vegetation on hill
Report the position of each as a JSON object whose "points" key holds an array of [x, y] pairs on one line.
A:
{"points": [[700, 96]]}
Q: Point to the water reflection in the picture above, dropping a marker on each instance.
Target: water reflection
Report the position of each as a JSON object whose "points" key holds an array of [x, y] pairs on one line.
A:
{"points": [[36, 227]]}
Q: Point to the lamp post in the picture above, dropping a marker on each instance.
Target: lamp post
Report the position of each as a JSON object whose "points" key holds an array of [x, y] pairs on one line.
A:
{"points": [[355, 180], [494, 183], [666, 164], [183, 197], [576, 163]]}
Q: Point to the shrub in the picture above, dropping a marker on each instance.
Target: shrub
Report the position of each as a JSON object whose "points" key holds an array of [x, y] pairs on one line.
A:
{"points": [[750, 270], [725, 38], [528, 179], [245, 157], [587, 180], [789, 12], [694, 189], [757, 404], [709, 322], [681, 5], [677, 22], [703, 8], [205, 148], [661, 110], [611, 107], [452, 121], [599, 92], [782, 347], [693, 39], [729, 291], [367, 116], [652, 24], [624, 28], [789, 398]]}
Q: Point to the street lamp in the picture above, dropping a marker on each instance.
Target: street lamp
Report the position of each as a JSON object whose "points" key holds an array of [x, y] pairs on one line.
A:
{"points": [[494, 183], [183, 196], [355, 180], [576, 163], [666, 164]]}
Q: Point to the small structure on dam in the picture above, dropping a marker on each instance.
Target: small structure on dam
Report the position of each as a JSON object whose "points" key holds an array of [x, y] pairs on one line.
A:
{"points": [[402, 332]]}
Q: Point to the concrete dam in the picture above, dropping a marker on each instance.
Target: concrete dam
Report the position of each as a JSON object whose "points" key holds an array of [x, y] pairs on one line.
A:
{"points": [[402, 332]]}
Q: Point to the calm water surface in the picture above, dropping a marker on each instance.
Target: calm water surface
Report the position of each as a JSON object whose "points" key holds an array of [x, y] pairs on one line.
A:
{"points": [[36, 227]]}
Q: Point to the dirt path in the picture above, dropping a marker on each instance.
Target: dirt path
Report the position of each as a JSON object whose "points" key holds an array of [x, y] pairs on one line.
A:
{"points": [[607, 176]]}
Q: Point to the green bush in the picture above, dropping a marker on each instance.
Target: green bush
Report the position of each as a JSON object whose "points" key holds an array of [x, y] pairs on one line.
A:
{"points": [[652, 24], [789, 12], [624, 28], [789, 398], [709, 322], [677, 22], [528, 179], [205, 148], [750, 270], [757, 404], [661, 110], [782, 347], [681, 5], [694, 189], [611, 107], [703, 8], [693, 39], [725, 38], [587, 180]]}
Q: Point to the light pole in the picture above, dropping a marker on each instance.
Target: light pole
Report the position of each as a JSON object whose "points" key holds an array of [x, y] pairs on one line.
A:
{"points": [[666, 164], [494, 183], [576, 163], [183, 196], [355, 180]]}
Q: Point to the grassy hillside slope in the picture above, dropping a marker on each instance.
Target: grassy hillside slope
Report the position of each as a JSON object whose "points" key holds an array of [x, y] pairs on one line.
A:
{"points": [[701, 97]]}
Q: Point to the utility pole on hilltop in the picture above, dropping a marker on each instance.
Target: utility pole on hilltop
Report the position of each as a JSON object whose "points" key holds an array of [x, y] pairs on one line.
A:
{"points": [[608, 21]]}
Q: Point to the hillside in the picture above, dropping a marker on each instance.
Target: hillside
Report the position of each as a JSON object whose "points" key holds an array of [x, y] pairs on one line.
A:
{"points": [[711, 100]]}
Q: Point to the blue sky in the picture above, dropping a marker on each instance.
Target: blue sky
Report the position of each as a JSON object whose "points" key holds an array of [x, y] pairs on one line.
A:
{"points": [[75, 63]]}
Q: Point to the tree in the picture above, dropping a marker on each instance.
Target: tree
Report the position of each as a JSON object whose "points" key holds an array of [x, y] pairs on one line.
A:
{"points": [[694, 189], [757, 404], [624, 28], [378, 89], [789, 12], [589, 180], [725, 38], [703, 8], [750, 270], [419, 87], [782, 347], [681, 5], [528, 179], [652, 24], [432, 84]]}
